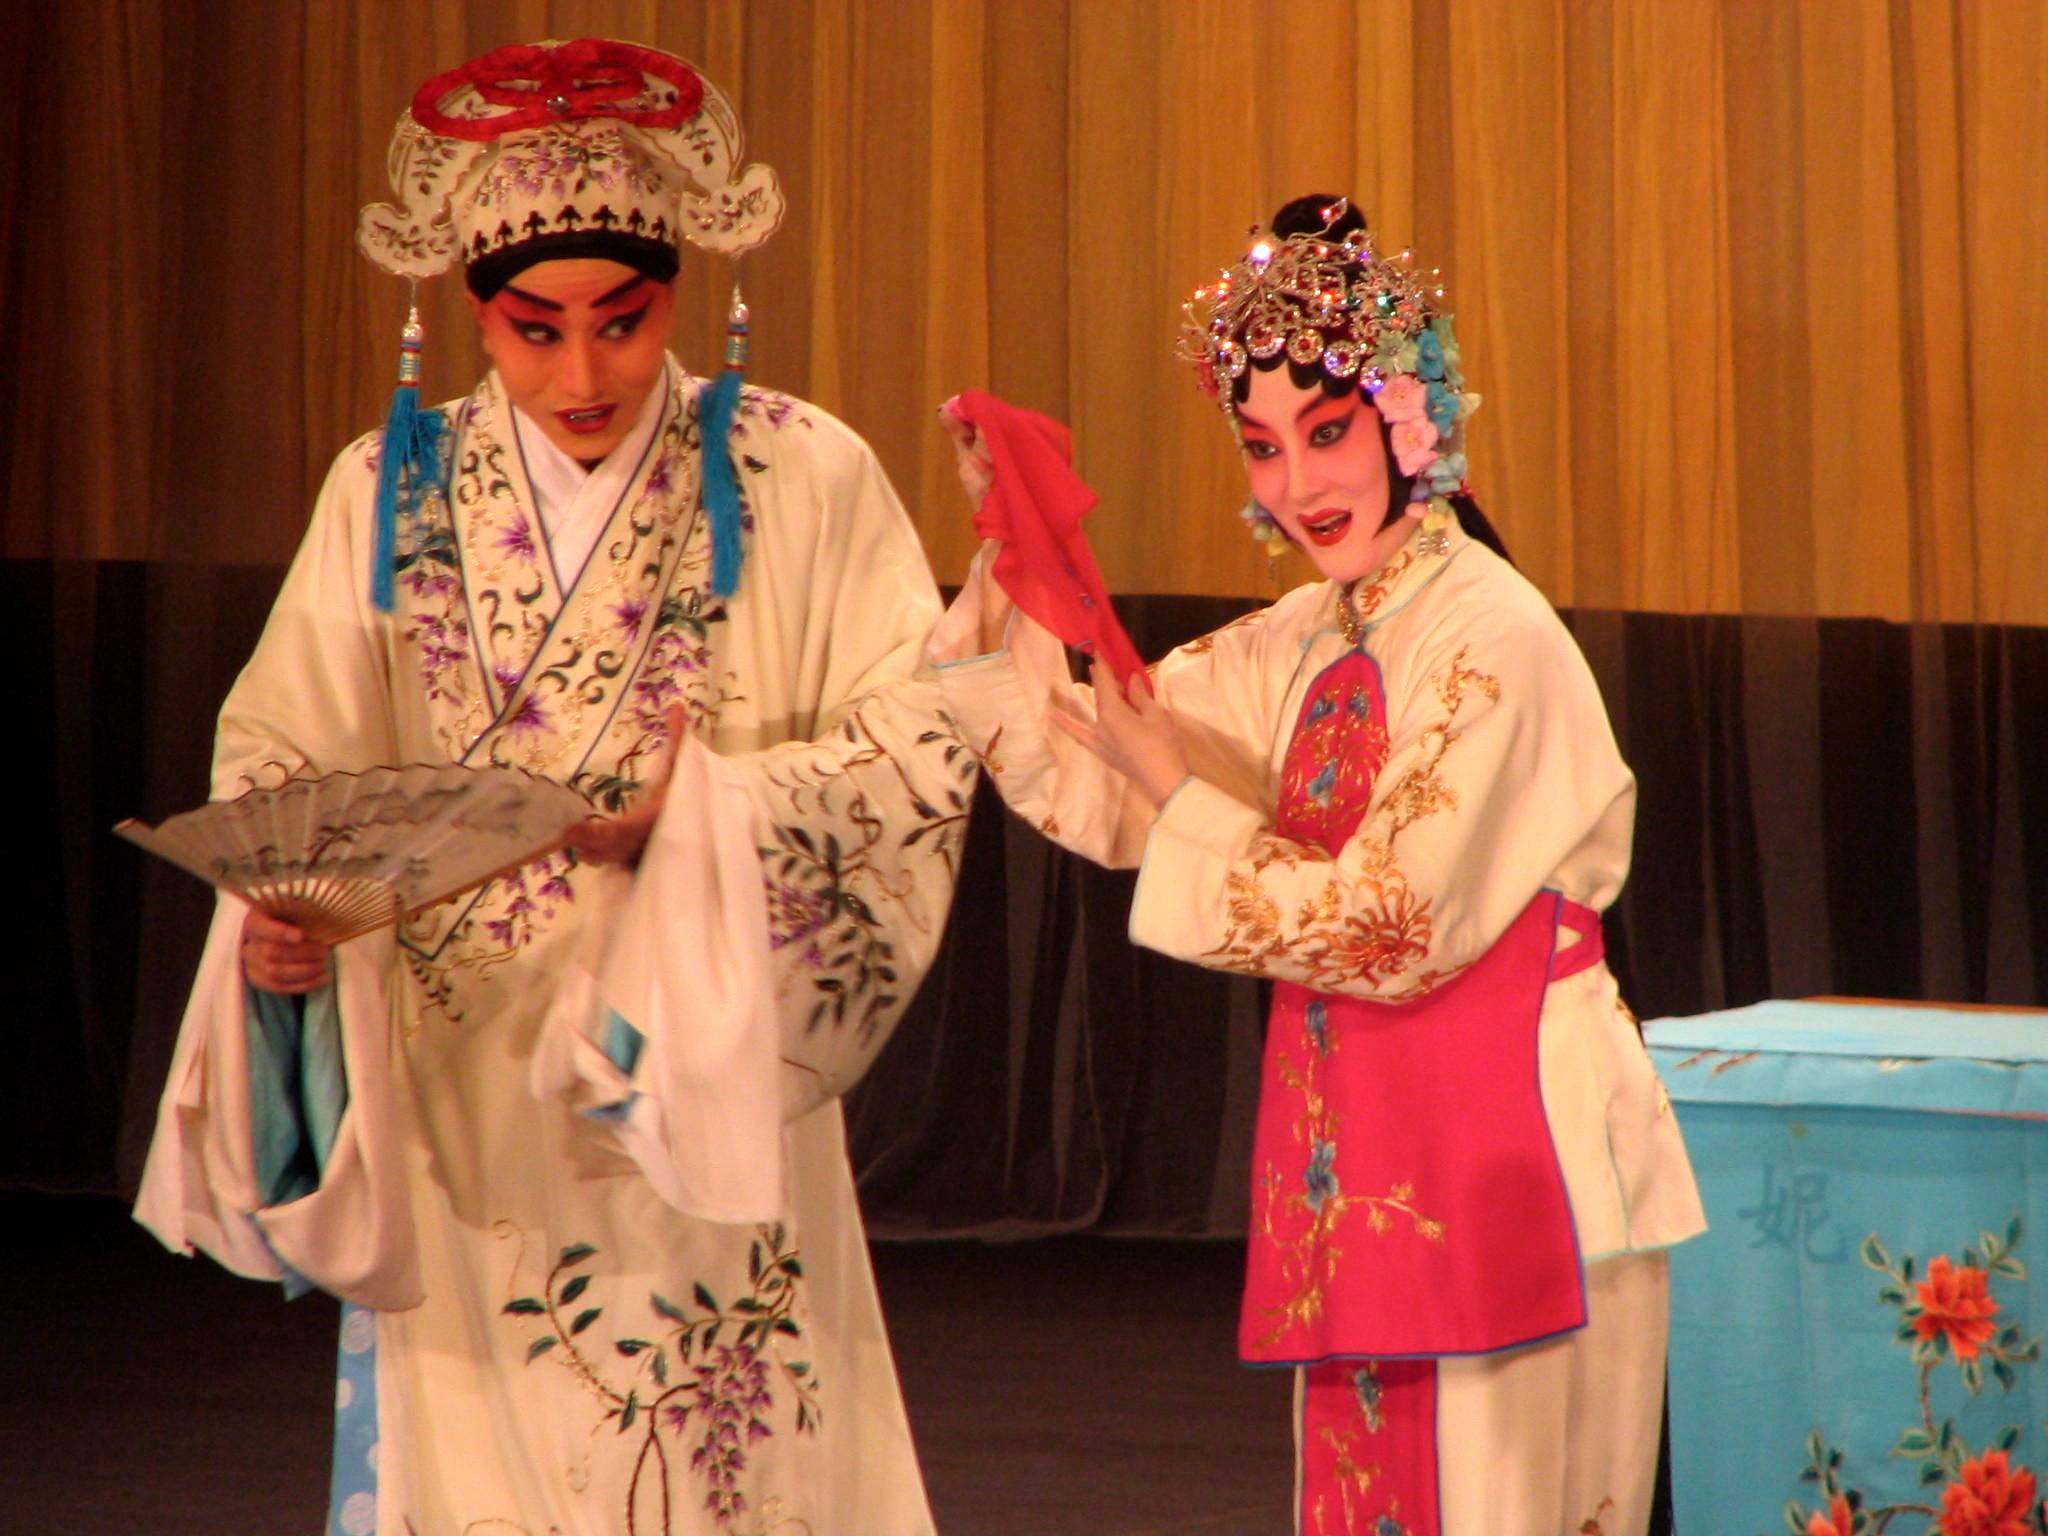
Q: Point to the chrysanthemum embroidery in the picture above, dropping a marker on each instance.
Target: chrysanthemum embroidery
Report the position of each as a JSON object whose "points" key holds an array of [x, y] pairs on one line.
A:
{"points": [[1364, 925]]}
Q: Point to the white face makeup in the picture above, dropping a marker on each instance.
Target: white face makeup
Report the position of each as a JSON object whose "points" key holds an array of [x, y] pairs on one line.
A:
{"points": [[1316, 463]]}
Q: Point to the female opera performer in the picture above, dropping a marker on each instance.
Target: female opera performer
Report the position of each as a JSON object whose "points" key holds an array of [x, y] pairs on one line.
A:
{"points": [[604, 1268], [1394, 794]]}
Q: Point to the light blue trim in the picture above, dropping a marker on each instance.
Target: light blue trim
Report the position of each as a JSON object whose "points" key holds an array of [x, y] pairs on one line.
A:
{"points": [[621, 1045], [969, 661]]}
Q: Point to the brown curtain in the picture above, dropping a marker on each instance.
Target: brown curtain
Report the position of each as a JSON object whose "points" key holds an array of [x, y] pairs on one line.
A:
{"points": [[1753, 290]]}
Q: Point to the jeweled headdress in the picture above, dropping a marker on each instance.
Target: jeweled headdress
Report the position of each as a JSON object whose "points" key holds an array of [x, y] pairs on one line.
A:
{"points": [[1330, 300], [590, 147]]}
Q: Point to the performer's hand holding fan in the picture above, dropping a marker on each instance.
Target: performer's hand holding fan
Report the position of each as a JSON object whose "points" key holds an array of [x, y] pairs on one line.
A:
{"points": [[347, 853]]}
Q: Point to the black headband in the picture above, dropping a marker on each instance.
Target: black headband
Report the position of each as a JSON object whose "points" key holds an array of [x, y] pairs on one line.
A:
{"points": [[655, 259]]}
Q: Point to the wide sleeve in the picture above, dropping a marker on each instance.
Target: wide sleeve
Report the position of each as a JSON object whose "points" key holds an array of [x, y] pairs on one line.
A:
{"points": [[859, 822], [316, 695], [1502, 778], [313, 698], [1224, 691]]}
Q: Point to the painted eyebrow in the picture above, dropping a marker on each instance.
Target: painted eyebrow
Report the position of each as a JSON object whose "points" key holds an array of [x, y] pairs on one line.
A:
{"points": [[1313, 405], [1316, 405], [619, 292], [611, 296], [533, 298]]}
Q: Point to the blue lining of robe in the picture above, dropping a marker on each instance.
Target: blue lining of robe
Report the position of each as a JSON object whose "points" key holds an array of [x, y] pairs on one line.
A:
{"points": [[298, 1090], [621, 1045]]}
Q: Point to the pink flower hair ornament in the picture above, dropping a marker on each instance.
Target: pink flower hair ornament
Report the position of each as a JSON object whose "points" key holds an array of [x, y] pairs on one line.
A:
{"points": [[1330, 299]]}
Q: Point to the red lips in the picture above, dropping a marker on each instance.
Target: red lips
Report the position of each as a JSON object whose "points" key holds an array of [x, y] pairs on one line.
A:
{"points": [[587, 419], [1327, 526]]}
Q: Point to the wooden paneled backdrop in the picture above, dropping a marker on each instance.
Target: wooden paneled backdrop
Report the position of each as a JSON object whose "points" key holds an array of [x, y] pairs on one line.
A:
{"points": [[1753, 290]]}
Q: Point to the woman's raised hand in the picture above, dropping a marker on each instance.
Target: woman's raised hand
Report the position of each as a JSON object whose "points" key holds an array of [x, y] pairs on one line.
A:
{"points": [[276, 957], [1133, 732], [977, 473], [971, 455]]}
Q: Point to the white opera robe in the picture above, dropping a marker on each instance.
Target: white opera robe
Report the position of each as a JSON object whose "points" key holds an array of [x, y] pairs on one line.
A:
{"points": [[557, 1347]]}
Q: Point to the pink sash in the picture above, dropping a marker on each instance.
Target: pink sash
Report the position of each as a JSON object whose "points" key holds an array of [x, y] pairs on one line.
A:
{"points": [[1407, 1199]]}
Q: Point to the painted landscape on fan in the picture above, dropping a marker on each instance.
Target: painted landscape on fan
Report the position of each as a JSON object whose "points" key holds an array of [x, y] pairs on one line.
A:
{"points": [[346, 853]]}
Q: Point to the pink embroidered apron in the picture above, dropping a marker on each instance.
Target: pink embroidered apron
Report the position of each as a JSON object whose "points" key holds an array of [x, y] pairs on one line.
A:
{"points": [[1407, 1201]]}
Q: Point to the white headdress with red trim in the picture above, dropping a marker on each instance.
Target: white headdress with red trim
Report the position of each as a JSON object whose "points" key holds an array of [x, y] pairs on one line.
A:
{"points": [[571, 148], [540, 140]]}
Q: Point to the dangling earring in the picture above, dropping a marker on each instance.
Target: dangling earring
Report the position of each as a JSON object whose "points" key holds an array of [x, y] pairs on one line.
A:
{"points": [[1263, 528], [1435, 536]]}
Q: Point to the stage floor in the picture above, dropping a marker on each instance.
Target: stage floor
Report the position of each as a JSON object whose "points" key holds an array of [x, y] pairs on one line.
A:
{"points": [[1078, 1385]]}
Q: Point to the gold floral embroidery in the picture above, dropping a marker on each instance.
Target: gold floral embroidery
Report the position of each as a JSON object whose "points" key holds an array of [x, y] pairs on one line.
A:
{"points": [[1368, 599], [1591, 1525], [987, 755], [1202, 645], [1309, 1257], [1367, 926], [1353, 1479]]}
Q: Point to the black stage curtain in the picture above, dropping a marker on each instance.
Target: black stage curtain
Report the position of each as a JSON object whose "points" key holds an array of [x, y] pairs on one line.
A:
{"points": [[1827, 806]]}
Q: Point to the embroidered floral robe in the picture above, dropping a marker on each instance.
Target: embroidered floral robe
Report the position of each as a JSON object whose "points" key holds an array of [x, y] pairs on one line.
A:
{"points": [[556, 1350], [1497, 778]]}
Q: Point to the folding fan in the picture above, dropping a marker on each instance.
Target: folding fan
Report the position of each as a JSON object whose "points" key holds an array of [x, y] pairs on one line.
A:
{"points": [[346, 853]]}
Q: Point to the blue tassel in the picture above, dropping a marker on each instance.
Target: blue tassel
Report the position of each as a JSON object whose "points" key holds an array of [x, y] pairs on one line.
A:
{"points": [[721, 483], [411, 461]]}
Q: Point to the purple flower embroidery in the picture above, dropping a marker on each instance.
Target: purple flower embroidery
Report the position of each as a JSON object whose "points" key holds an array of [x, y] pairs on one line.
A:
{"points": [[731, 1395], [519, 537], [794, 914], [531, 716], [630, 614]]}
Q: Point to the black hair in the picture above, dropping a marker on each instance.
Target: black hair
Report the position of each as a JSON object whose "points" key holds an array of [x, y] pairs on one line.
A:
{"points": [[1309, 216], [655, 259]]}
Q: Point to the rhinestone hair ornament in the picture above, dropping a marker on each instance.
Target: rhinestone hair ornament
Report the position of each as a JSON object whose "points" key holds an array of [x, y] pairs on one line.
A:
{"points": [[1331, 301]]}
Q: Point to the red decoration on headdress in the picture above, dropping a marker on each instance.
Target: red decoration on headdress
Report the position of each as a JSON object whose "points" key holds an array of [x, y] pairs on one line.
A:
{"points": [[539, 85], [1034, 506]]}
